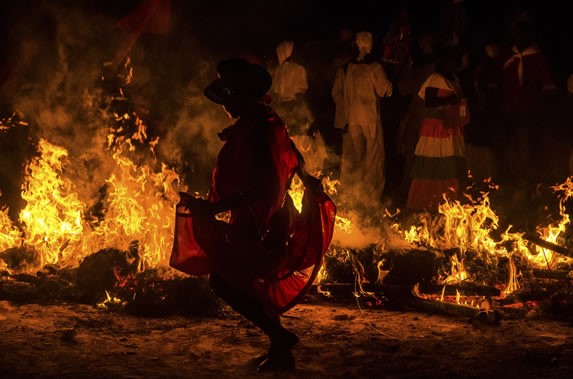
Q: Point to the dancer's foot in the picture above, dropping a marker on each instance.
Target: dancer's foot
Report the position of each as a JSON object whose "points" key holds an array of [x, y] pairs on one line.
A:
{"points": [[278, 362], [256, 362], [284, 342]]}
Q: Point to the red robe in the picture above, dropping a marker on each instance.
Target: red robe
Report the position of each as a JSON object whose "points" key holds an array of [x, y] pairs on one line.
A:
{"points": [[268, 250]]}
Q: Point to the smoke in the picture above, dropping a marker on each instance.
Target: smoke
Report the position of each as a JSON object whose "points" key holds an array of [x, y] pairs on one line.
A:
{"points": [[52, 84], [191, 139], [56, 84]]}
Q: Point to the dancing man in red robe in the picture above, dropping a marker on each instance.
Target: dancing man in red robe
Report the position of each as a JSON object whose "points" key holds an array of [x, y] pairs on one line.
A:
{"points": [[263, 260]]}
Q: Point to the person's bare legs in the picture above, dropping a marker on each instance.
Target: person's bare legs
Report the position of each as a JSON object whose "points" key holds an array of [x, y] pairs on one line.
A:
{"points": [[279, 355]]}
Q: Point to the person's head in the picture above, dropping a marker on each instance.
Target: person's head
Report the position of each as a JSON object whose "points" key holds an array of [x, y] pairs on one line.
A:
{"points": [[570, 84], [426, 43], [284, 51], [364, 43], [239, 85], [492, 50], [522, 34], [345, 34], [449, 60]]}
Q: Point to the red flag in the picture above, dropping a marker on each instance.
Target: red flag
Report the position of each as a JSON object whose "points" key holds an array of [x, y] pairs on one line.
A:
{"points": [[151, 16]]}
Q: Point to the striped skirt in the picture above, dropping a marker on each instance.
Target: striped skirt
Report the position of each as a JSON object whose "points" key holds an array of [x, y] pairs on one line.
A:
{"points": [[439, 161]]}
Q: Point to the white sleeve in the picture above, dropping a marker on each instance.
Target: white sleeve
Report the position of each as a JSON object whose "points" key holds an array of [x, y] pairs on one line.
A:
{"points": [[435, 81], [338, 87], [382, 85]]}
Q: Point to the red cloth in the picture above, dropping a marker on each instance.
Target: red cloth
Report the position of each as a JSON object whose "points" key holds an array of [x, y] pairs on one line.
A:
{"points": [[278, 269], [517, 98], [151, 16]]}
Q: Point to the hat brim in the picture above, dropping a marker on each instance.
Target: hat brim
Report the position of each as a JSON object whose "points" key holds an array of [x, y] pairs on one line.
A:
{"points": [[238, 80], [217, 92]]}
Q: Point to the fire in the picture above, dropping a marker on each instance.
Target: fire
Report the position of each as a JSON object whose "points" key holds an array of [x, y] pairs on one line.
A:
{"points": [[296, 192], [469, 226], [53, 216], [552, 233], [110, 301], [10, 236], [139, 207], [462, 227]]}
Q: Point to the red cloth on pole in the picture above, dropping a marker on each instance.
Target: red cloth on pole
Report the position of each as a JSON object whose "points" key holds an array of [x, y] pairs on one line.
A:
{"points": [[151, 16], [279, 268]]}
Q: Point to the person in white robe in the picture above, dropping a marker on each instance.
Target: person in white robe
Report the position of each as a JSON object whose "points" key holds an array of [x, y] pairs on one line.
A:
{"points": [[357, 88], [288, 92]]}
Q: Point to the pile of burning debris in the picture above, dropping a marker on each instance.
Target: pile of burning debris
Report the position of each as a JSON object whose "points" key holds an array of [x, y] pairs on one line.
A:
{"points": [[448, 262], [458, 262]]}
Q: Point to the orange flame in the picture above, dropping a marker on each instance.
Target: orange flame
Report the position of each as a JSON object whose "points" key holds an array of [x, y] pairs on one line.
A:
{"points": [[10, 236], [53, 216], [139, 206]]}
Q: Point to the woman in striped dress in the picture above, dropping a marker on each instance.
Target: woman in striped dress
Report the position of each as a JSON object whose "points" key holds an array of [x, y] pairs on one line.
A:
{"points": [[439, 163]]}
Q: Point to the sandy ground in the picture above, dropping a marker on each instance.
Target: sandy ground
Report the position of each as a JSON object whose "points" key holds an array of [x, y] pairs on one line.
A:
{"points": [[337, 341]]}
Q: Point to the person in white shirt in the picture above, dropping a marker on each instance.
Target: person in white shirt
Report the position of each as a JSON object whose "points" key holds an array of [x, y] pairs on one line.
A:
{"points": [[356, 92]]}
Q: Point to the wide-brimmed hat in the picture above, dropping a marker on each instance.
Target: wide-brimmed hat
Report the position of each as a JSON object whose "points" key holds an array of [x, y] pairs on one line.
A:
{"points": [[238, 80]]}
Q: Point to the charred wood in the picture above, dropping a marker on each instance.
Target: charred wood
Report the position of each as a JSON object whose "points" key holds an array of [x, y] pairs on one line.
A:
{"points": [[548, 245], [550, 274], [464, 289]]}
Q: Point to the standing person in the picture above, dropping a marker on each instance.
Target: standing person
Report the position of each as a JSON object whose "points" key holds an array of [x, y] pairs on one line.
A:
{"points": [[439, 161], [396, 45], [453, 24], [423, 65], [486, 117], [288, 92], [395, 59], [356, 92], [264, 259], [525, 79], [345, 49]]}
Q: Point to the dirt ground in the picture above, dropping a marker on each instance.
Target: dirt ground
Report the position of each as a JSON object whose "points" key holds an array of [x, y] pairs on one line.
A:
{"points": [[337, 341]]}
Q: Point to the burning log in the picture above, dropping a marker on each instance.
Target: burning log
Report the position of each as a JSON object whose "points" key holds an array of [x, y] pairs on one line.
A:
{"points": [[548, 245], [398, 290], [464, 289], [44, 288], [20, 258], [415, 266], [104, 271], [155, 296], [550, 274], [452, 309]]}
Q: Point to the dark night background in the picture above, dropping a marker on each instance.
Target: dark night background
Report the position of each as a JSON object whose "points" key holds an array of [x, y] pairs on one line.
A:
{"points": [[73, 38], [228, 27]]}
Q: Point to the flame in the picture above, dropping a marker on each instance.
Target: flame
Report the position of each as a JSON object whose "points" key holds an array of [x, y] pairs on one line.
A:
{"points": [[140, 204], [10, 236], [458, 226], [53, 216], [469, 226], [296, 192], [139, 207], [553, 232], [110, 301], [513, 283]]}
